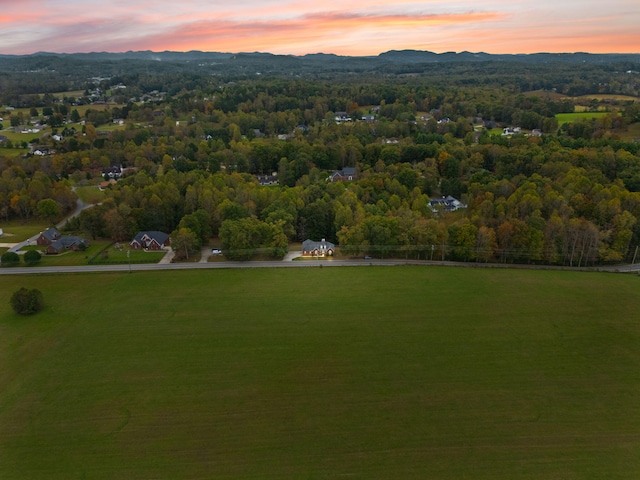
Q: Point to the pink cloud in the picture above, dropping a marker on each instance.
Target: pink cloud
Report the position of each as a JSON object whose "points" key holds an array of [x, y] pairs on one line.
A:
{"points": [[296, 33], [296, 27]]}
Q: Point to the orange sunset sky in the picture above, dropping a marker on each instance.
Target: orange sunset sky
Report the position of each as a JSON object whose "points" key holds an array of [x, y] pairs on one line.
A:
{"points": [[355, 27]]}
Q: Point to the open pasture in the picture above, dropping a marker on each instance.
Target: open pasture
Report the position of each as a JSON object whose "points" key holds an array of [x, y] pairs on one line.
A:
{"points": [[12, 152], [363, 372], [70, 94], [574, 117], [18, 137]]}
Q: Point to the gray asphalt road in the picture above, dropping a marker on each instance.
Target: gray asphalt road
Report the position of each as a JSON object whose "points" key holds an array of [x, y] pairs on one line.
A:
{"points": [[197, 265], [286, 264]]}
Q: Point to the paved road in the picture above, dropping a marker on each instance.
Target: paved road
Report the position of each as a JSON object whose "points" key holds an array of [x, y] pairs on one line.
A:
{"points": [[288, 264], [191, 265]]}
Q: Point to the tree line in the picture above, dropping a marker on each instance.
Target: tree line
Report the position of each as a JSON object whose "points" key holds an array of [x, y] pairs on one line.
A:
{"points": [[565, 197]]}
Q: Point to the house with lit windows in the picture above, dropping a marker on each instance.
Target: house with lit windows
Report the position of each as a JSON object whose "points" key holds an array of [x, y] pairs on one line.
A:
{"points": [[322, 248]]}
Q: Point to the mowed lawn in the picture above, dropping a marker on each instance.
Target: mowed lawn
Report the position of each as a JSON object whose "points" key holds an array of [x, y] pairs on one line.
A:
{"points": [[315, 373]]}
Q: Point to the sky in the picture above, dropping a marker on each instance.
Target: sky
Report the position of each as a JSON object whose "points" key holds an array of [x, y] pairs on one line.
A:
{"points": [[343, 27]]}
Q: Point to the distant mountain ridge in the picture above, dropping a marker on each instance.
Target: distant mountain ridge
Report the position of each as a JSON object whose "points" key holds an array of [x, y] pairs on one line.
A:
{"points": [[257, 63], [421, 56], [394, 56]]}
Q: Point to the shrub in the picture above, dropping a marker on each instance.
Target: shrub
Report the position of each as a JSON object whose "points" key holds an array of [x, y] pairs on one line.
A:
{"points": [[9, 258], [27, 302], [31, 257]]}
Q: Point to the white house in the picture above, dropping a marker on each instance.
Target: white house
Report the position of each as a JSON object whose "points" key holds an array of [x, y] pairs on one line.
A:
{"points": [[446, 204]]}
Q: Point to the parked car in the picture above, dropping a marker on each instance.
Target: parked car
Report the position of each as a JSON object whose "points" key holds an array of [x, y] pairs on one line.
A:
{"points": [[216, 251], [367, 257]]}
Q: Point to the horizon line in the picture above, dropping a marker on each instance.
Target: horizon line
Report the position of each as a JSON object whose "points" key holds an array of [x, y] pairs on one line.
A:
{"points": [[44, 52]]}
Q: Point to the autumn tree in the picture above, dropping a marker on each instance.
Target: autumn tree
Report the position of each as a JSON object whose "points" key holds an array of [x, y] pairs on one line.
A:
{"points": [[119, 223], [184, 241], [49, 209], [243, 238], [462, 238]]}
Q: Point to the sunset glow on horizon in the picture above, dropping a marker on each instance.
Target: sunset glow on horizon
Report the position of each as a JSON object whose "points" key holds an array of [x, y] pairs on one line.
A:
{"points": [[292, 27]]}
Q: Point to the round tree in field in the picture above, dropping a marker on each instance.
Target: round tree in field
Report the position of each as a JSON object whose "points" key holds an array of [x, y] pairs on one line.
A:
{"points": [[27, 302], [9, 258], [31, 257]]}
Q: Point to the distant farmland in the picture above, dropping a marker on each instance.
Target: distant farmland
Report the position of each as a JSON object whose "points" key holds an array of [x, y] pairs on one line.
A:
{"points": [[371, 372], [604, 97], [574, 117]]}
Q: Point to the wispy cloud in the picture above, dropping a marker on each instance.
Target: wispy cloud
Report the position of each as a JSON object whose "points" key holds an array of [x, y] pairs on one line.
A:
{"points": [[359, 28], [298, 34]]}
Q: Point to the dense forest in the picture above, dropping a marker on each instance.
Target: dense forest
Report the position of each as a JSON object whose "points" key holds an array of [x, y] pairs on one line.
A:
{"points": [[193, 152]]}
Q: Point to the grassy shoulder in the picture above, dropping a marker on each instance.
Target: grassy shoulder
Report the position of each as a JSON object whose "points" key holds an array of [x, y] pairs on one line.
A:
{"points": [[121, 254], [378, 372]]}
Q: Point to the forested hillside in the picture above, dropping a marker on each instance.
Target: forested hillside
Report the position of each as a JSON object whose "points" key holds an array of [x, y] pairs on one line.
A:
{"points": [[189, 149]]}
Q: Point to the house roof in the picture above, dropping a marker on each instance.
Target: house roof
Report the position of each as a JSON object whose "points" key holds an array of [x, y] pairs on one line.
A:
{"points": [[67, 241], [344, 173], [159, 237], [323, 245], [267, 179], [448, 203], [51, 233]]}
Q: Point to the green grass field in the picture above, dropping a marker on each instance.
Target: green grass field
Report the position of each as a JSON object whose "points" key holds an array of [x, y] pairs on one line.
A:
{"points": [[91, 194], [16, 231], [315, 373], [71, 93], [573, 117], [12, 152], [17, 138]]}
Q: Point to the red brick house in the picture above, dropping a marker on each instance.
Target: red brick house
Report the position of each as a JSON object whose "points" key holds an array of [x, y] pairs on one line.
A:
{"points": [[49, 236], [66, 242]]}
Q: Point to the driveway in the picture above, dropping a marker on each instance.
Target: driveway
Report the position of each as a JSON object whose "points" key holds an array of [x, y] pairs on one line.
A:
{"points": [[206, 251], [291, 255], [168, 257]]}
